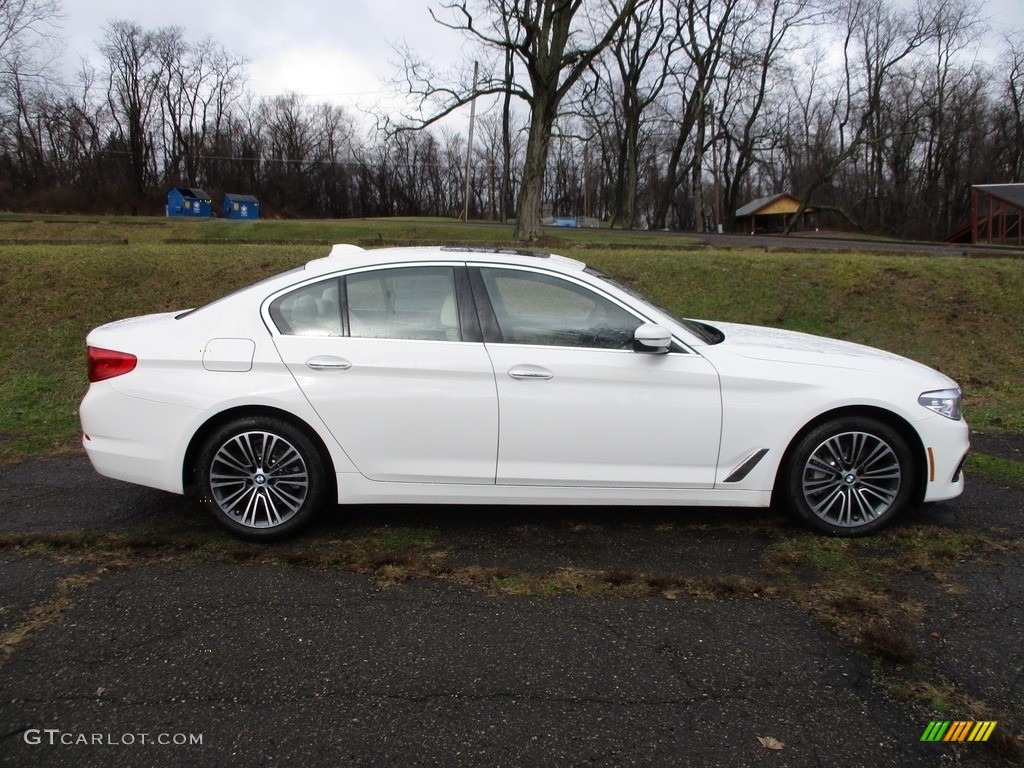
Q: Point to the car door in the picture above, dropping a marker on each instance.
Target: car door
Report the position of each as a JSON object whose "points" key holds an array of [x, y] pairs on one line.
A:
{"points": [[393, 362], [577, 406]]}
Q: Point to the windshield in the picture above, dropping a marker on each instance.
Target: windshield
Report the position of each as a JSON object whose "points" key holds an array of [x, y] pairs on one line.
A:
{"points": [[706, 333]]}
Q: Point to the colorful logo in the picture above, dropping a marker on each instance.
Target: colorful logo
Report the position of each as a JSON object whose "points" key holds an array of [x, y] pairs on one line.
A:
{"points": [[958, 730]]}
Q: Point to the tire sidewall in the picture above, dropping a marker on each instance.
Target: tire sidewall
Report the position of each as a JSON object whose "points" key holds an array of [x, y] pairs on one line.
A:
{"points": [[299, 440]]}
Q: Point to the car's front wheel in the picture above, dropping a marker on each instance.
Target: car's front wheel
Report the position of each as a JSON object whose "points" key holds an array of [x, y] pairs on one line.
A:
{"points": [[851, 476], [261, 477]]}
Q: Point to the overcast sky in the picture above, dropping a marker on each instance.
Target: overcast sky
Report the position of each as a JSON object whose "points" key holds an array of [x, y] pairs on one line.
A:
{"points": [[329, 50], [325, 49]]}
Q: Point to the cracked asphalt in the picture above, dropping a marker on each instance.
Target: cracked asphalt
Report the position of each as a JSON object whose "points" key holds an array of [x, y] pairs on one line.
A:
{"points": [[273, 663]]}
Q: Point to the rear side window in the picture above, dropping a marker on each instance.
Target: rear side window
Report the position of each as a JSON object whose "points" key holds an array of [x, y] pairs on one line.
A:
{"points": [[404, 303], [401, 303], [313, 310]]}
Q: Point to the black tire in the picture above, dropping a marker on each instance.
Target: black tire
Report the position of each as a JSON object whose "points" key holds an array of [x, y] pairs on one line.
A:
{"points": [[850, 476], [261, 478]]}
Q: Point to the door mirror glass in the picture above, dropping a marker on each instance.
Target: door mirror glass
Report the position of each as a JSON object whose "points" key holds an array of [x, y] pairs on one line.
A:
{"points": [[652, 339]]}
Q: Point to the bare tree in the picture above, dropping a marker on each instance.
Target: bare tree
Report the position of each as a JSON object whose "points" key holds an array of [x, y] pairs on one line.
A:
{"points": [[630, 80], [759, 57], [955, 24], [553, 41], [26, 26], [289, 139], [134, 76], [497, 148], [703, 28], [876, 39], [202, 82], [1010, 115], [334, 151]]}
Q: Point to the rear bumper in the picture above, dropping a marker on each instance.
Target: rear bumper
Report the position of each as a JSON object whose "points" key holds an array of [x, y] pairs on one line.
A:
{"points": [[138, 441]]}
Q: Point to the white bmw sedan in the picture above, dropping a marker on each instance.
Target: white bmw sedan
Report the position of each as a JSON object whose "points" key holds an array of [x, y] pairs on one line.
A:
{"points": [[459, 375]]}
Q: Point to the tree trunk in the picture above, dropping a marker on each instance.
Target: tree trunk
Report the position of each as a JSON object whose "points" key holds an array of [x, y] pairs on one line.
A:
{"points": [[531, 189], [671, 181], [631, 180], [506, 141]]}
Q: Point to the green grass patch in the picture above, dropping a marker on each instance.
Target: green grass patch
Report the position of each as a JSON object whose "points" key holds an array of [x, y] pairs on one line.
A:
{"points": [[402, 539], [195, 537], [995, 469], [852, 585]]}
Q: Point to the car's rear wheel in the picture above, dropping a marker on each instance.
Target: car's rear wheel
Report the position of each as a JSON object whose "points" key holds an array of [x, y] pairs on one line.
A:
{"points": [[261, 477], [851, 476]]}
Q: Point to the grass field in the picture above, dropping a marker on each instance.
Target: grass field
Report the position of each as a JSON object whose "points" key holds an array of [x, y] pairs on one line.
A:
{"points": [[62, 276]]}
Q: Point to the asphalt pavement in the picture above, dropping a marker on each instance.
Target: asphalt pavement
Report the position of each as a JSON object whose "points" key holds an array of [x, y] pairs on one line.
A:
{"points": [[838, 241], [173, 659]]}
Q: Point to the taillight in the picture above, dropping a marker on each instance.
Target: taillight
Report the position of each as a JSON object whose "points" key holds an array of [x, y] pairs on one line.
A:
{"points": [[106, 363]]}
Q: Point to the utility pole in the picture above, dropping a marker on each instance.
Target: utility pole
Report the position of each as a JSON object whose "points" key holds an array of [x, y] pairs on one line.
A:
{"points": [[717, 191], [469, 143], [586, 176]]}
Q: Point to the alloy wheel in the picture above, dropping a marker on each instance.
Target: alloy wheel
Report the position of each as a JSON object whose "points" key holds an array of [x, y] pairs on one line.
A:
{"points": [[851, 479], [259, 479]]}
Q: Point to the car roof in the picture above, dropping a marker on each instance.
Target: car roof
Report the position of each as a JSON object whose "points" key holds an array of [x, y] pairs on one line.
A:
{"points": [[344, 256]]}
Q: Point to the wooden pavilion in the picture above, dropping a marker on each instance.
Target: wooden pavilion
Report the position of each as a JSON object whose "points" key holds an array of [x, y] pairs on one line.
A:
{"points": [[770, 214]]}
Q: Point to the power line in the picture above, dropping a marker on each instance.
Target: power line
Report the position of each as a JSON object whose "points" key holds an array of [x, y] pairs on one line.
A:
{"points": [[284, 161]]}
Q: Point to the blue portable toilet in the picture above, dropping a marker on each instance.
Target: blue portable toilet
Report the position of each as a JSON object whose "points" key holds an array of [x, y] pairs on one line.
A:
{"points": [[189, 201], [241, 206]]}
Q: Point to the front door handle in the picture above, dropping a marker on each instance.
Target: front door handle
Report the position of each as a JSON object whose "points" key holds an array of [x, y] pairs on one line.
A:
{"points": [[531, 372], [328, 364]]}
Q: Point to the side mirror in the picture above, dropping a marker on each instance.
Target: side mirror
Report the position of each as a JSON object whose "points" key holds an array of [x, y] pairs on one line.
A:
{"points": [[652, 339]]}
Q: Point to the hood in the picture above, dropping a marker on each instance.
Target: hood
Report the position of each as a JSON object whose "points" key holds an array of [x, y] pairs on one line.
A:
{"points": [[777, 345]]}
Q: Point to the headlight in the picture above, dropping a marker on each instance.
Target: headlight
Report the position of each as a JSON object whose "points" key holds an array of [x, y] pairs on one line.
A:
{"points": [[945, 402]]}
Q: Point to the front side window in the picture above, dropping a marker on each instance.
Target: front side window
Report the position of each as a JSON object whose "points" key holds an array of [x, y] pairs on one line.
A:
{"points": [[535, 308], [403, 303]]}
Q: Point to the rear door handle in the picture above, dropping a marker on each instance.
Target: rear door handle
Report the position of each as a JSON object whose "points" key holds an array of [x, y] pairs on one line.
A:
{"points": [[531, 372], [328, 364]]}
